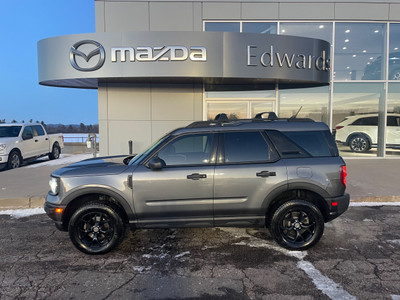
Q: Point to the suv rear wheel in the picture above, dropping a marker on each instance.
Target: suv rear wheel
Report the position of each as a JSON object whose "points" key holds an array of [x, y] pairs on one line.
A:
{"points": [[297, 225], [96, 228], [359, 143]]}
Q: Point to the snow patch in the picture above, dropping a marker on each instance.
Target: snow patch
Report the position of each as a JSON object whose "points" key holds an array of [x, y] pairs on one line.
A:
{"points": [[63, 160], [396, 242], [395, 297], [323, 283], [22, 213], [182, 254]]}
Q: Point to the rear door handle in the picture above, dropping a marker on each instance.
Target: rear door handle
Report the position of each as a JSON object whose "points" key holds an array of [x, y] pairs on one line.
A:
{"points": [[196, 176], [265, 174]]}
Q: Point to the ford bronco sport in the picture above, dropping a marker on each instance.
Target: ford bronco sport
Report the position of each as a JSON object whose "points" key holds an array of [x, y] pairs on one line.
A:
{"points": [[285, 174]]}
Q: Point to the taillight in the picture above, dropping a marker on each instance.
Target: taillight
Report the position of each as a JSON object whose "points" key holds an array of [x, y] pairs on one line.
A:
{"points": [[343, 175], [338, 127]]}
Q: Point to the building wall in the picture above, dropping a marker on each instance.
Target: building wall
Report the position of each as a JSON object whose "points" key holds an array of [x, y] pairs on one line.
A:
{"points": [[143, 113]]}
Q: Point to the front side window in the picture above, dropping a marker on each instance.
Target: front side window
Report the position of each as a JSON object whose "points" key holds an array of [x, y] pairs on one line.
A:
{"points": [[188, 150], [27, 133], [245, 147]]}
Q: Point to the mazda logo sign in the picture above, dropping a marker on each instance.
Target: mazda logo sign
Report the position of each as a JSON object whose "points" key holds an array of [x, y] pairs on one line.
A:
{"points": [[93, 48]]}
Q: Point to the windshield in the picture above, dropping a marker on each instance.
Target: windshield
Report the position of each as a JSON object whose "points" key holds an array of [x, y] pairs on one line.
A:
{"points": [[10, 131], [138, 158]]}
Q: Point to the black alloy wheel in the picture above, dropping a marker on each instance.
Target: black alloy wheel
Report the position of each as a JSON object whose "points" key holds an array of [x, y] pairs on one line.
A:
{"points": [[297, 225], [14, 160], [359, 144], [96, 228]]}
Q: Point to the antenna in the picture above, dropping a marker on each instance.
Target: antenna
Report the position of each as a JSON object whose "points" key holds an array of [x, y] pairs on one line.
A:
{"points": [[295, 116]]}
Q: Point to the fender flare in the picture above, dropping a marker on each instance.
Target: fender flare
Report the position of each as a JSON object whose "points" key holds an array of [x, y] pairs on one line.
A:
{"points": [[104, 191]]}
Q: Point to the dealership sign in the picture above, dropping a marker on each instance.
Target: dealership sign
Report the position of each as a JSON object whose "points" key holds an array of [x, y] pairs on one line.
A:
{"points": [[216, 57]]}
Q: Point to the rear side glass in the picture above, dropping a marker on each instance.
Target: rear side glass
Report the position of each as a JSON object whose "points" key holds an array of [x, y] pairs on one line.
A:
{"points": [[247, 147], [368, 121], [285, 146], [316, 143]]}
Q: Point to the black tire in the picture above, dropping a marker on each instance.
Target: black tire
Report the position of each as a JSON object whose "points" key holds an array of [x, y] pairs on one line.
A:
{"points": [[55, 152], [297, 225], [359, 143], [14, 160], [96, 228]]}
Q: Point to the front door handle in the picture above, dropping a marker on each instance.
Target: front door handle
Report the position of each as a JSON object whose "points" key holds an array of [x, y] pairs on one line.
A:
{"points": [[196, 176], [265, 174]]}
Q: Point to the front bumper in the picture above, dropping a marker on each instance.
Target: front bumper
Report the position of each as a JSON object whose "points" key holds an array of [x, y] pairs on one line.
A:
{"points": [[50, 209], [338, 205]]}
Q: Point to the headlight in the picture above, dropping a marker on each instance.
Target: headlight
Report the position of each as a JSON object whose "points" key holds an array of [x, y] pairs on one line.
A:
{"points": [[54, 185], [3, 148]]}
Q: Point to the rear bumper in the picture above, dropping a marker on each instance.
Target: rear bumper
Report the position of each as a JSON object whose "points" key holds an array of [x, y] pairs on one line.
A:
{"points": [[338, 205]]}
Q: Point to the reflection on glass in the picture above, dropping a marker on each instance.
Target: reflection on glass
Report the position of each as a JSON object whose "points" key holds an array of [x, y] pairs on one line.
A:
{"points": [[234, 110], [359, 48], [356, 117], [393, 128], [222, 26], [241, 94], [259, 27], [394, 52], [314, 103], [316, 30], [259, 107]]}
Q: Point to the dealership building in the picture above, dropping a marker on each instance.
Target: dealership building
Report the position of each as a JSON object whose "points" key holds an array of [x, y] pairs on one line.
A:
{"points": [[159, 65]]}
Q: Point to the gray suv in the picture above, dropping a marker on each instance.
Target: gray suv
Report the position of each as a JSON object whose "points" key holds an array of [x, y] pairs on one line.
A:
{"points": [[285, 174]]}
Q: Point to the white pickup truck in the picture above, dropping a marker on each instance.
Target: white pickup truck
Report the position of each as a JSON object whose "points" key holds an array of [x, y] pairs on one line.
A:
{"points": [[19, 142]]}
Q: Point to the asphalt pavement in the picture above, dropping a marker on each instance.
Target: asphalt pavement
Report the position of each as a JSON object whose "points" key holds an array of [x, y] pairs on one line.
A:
{"points": [[369, 180], [357, 258]]}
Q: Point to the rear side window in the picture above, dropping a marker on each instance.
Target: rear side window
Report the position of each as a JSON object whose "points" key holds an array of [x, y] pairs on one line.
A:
{"points": [[246, 147], [39, 130], [304, 143], [368, 121]]}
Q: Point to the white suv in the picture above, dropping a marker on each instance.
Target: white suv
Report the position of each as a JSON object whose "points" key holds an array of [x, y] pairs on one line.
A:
{"points": [[360, 132]]}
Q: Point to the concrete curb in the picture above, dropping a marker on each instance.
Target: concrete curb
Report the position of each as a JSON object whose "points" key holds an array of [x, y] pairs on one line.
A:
{"points": [[19, 203], [33, 202]]}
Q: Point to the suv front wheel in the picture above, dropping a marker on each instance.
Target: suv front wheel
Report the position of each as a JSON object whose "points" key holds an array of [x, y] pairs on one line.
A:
{"points": [[96, 228], [297, 225]]}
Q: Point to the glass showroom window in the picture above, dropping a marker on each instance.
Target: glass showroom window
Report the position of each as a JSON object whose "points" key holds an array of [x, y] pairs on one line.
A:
{"points": [[394, 52], [356, 117], [222, 26], [316, 30], [314, 103], [260, 27], [393, 126], [359, 49]]}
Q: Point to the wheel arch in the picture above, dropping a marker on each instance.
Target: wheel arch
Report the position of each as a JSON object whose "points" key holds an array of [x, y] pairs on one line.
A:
{"points": [[78, 198], [354, 134], [306, 194]]}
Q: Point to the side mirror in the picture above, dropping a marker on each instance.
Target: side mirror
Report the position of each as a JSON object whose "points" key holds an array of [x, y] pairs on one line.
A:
{"points": [[156, 163]]}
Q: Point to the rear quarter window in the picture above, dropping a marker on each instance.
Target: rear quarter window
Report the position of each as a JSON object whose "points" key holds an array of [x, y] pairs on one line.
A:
{"points": [[294, 144]]}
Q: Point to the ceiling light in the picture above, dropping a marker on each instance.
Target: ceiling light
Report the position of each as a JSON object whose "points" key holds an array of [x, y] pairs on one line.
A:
{"points": [[283, 30], [364, 51], [321, 26], [347, 31], [347, 68], [376, 31], [396, 48], [371, 58], [346, 40], [344, 48], [354, 55]]}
